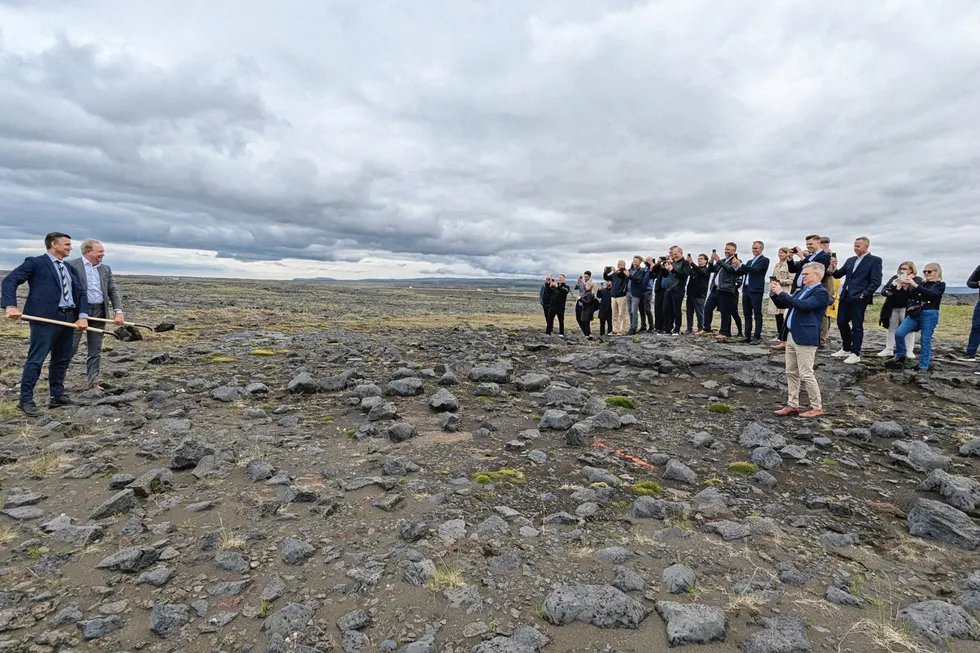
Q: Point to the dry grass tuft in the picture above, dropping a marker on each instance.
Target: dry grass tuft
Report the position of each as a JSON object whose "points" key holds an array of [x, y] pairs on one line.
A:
{"points": [[8, 533], [445, 578], [48, 463], [886, 633]]}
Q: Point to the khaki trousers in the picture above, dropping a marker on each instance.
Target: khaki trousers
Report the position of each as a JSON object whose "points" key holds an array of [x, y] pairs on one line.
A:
{"points": [[620, 317], [799, 370]]}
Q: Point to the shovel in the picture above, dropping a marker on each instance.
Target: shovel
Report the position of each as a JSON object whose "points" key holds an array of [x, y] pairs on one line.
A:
{"points": [[67, 324], [160, 328]]}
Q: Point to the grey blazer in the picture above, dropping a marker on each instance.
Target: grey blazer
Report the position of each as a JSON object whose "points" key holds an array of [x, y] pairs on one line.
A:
{"points": [[109, 290]]}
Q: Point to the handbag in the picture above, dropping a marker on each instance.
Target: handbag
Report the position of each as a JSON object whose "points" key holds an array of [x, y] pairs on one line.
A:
{"points": [[913, 310]]}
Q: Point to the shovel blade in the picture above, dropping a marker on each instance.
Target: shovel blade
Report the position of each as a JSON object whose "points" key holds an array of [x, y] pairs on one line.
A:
{"points": [[165, 326]]}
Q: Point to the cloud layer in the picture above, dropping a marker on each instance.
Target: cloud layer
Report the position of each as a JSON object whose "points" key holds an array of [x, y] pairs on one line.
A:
{"points": [[488, 138]]}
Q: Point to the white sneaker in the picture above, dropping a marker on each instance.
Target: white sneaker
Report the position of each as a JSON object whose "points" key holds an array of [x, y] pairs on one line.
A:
{"points": [[886, 353], [853, 358], [841, 354]]}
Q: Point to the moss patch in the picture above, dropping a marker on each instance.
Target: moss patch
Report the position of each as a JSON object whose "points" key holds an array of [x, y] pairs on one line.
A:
{"points": [[621, 402], [504, 475], [743, 468], [646, 488], [719, 408]]}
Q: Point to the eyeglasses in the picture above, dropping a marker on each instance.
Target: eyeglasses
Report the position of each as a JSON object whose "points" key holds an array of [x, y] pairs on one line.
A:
{"points": [[931, 271]]}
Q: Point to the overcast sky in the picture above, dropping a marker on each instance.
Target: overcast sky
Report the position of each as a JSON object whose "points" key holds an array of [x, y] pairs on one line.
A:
{"points": [[376, 138]]}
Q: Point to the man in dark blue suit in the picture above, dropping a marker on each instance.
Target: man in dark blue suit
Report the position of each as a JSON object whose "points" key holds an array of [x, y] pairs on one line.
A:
{"points": [[56, 293], [807, 308], [863, 272], [753, 287], [812, 253]]}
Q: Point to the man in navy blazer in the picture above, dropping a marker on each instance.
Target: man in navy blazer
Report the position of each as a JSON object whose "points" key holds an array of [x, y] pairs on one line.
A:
{"points": [[753, 287], [56, 293], [863, 272], [807, 308], [812, 253]]}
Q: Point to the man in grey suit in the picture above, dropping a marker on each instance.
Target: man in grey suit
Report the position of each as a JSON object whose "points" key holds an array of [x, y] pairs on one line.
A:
{"points": [[100, 287]]}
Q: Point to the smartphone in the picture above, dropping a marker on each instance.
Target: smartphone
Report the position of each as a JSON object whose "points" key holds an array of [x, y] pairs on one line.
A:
{"points": [[714, 251], [904, 276], [773, 278]]}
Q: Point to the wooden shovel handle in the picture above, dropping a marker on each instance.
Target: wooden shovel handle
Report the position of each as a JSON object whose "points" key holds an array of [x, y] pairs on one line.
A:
{"points": [[60, 323]]}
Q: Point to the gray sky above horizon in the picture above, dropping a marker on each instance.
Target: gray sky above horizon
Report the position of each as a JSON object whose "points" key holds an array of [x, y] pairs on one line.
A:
{"points": [[448, 137]]}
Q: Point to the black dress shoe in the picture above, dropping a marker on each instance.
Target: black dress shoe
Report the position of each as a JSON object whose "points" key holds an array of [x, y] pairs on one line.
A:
{"points": [[30, 409], [63, 400]]}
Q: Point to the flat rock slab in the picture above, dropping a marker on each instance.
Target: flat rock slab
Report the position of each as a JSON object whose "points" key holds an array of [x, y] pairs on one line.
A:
{"points": [[938, 521], [782, 634], [692, 623], [602, 606], [757, 435], [959, 491], [938, 621]]}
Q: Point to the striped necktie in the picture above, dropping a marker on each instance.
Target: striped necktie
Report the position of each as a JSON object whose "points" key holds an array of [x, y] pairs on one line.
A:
{"points": [[64, 283]]}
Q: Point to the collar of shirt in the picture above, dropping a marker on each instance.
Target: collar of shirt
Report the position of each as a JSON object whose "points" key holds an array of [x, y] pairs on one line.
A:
{"points": [[88, 264], [54, 259]]}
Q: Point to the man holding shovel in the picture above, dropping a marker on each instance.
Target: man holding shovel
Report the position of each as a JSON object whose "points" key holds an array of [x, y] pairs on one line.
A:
{"points": [[55, 295], [100, 288]]}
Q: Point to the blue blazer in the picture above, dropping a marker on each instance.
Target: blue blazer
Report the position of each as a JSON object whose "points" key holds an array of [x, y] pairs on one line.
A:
{"points": [[45, 288], [756, 274], [796, 267], [806, 314], [865, 281]]}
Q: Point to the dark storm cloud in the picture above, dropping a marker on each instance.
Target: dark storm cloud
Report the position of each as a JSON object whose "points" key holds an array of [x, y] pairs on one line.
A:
{"points": [[506, 137]]}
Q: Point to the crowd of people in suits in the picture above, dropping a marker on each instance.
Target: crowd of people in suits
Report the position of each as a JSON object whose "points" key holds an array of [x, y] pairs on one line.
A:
{"points": [[649, 294], [68, 292]]}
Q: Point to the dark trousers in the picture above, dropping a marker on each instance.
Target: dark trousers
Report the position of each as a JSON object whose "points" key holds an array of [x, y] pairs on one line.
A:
{"points": [[709, 308], [646, 309], [779, 325], [695, 306], [974, 342], [47, 339], [584, 317], [558, 312], [659, 310], [752, 307], [735, 316], [850, 321], [673, 301], [728, 303], [605, 323]]}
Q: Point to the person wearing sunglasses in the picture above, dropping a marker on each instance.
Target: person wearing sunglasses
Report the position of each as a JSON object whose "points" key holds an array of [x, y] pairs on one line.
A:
{"points": [[921, 314], [893, 310], [974, 343]]}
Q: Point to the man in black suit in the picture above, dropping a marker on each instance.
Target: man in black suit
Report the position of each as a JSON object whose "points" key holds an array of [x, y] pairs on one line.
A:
{"points": [[863, 272], [55, 294], [753, 287], [726, 283]]}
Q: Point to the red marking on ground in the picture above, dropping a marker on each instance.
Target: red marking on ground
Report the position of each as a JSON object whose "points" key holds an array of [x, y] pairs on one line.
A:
{"points": [[623, 454]]}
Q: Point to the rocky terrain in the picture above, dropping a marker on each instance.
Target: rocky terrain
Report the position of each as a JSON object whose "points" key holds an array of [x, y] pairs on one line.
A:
{"points": [[313, 467]]}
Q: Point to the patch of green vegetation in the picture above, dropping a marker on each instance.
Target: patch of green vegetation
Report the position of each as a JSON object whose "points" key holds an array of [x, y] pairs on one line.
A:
{"points": [[621, 402], [265, 607], [619, 504], [482, 479], [637, 339], [217, 357], [504, 475], [262, 352], [597, 485], [350, 431], [719, 408], [646, 488], [35, 552], [441, 472], [714, 481], [8, 409], [830, 461], [328, 418], [743, 468]]}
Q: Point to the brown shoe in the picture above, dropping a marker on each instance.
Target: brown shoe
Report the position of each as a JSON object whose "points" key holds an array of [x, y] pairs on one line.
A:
{"points": [[788, 410], [781, 345], [812, 413]]}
